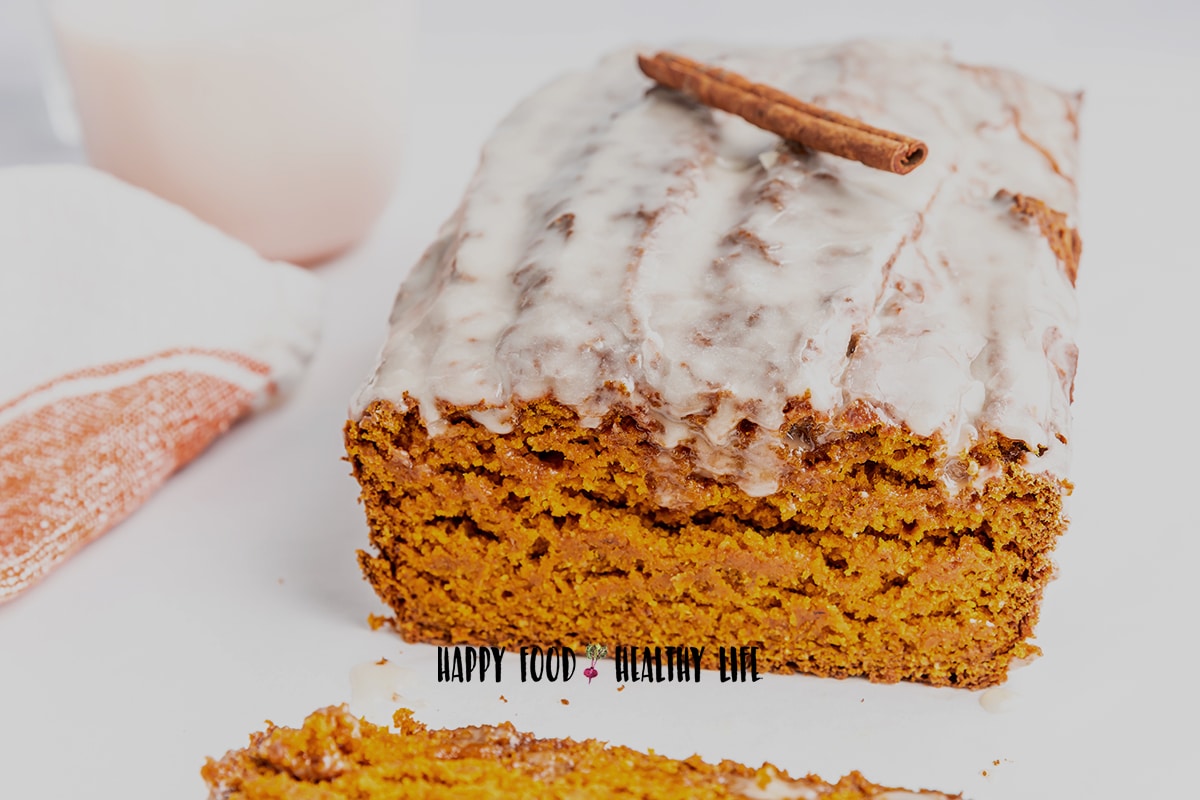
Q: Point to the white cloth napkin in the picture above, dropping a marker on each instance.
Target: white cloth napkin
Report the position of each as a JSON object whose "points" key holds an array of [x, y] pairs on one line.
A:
{"points": [[131, 335]]}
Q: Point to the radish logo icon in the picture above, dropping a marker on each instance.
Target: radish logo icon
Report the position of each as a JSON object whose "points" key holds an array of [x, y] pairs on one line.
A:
{"points": [[595, 652]]}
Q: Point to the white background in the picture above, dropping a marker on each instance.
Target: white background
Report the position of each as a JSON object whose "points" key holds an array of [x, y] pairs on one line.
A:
{"points": [[233, 596]]}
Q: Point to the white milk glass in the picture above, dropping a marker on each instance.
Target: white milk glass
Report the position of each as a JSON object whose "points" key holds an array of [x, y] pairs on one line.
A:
{"points": [[278, 121]]}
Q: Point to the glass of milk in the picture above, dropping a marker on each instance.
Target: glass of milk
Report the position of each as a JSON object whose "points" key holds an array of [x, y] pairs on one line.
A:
{"points": [[278, 121]]}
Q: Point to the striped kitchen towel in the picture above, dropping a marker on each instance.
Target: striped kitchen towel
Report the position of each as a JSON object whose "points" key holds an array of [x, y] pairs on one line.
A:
{"points": [[131, 335]]}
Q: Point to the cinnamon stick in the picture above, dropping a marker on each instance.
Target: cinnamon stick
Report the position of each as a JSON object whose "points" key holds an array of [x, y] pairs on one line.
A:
{"points": [[780, 113]]}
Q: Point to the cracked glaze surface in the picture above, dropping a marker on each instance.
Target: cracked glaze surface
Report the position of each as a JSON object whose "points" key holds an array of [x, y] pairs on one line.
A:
{"points": [[621, 244]]}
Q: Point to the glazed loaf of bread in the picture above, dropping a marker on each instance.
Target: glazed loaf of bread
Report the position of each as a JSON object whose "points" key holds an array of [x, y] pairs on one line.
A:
{"points": [[666, 378]]}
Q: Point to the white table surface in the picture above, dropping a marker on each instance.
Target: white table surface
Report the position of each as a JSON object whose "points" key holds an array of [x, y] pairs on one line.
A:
{"points": [[233, 596]]}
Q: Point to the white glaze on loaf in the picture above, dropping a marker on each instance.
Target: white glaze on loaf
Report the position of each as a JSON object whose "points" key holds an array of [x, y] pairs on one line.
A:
{"points": [[780, 788], [622, 239]]}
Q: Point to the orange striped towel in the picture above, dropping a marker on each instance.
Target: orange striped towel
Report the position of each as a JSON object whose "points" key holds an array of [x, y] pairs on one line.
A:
{"points": [[131, 335]]}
